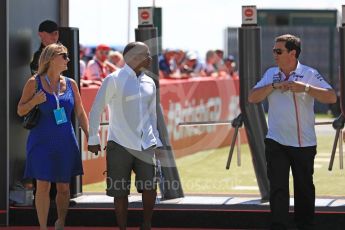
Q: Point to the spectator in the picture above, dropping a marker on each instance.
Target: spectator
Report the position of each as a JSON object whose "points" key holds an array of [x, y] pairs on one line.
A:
{"points": [[167, 64], [99, 67], [230, 65], [219, 62], [52, 151], [82, 64], [210, 65], [191, 65], [116, 58], [48, 31], [179, 58]]}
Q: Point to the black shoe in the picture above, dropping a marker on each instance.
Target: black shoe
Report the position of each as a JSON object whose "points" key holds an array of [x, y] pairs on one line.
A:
{"points": [[72, 203]]}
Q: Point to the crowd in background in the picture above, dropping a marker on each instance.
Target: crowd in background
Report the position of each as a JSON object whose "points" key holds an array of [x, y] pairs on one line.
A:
{"points": [[186, 64], [104, 61], [97, 63]]}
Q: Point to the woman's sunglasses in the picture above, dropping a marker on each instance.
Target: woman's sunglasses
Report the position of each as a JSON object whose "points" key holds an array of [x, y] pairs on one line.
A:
{"points": [[64, 55]]}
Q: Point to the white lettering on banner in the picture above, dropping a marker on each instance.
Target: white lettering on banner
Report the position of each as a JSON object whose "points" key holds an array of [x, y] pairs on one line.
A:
{"points": [[86, 155], [234, 107], [190, 111]]}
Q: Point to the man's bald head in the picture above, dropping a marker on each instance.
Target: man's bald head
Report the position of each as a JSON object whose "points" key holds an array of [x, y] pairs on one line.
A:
{"points": [[135, 48], [137, 55]]}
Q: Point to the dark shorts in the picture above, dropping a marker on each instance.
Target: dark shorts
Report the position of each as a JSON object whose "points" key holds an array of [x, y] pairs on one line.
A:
{"points": [[120, 163]]}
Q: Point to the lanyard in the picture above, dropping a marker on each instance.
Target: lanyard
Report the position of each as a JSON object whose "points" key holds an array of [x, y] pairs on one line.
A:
{"points": [[55, 95], [102, 68]]}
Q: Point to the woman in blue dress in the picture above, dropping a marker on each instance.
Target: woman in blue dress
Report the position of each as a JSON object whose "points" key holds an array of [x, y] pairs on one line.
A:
{"points": [[52, 150]]}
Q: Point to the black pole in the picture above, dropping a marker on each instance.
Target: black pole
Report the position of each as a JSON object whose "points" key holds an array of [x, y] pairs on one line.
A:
{"points": [[69, 37], [236, 124], [338, 124], [253, 114], [4, 156], [342, 68], [172, 184]]}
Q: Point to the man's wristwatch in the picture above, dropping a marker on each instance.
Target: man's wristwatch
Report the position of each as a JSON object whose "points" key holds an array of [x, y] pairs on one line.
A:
{"points": [[307, 88], [273, 85]]}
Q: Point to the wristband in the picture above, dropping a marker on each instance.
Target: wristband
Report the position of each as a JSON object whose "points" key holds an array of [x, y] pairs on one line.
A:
{"points": [[307, 88], [273, 85]]}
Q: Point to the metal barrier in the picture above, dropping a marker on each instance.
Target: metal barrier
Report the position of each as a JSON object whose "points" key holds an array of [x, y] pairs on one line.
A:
{"points": [[337, 124]]}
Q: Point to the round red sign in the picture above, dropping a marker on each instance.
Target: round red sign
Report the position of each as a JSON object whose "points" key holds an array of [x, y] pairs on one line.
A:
{"points": [[145, 15], [248, 12]]}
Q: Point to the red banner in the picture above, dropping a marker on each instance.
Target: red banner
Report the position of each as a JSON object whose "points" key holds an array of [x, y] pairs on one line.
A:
{"points": [[198, 99], [194, 99]]}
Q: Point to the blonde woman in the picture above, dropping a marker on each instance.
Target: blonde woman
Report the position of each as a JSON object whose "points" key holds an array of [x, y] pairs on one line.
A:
{"points": [[52, 149]]}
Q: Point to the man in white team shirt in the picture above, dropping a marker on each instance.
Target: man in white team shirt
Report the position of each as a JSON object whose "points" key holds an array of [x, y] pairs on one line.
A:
{"points": [[132, 134], [291, 141]]}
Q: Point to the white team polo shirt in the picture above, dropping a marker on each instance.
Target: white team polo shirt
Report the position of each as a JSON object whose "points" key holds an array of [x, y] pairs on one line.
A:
{"points": [[291, 117]]}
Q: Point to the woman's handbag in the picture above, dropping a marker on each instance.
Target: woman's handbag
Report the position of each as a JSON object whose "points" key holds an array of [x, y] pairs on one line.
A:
{"points": [[31, 119]]}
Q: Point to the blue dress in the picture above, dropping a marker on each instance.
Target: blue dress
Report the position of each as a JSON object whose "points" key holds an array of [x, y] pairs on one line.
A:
{"points": [[52, 152]]}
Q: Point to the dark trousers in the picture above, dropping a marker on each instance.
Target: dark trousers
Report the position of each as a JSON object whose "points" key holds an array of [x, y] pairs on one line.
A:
{"points": [[301, 160]]}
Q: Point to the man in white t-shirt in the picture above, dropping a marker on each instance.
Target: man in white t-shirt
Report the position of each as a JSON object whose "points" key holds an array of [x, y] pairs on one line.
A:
{"points": [[291, 141]]}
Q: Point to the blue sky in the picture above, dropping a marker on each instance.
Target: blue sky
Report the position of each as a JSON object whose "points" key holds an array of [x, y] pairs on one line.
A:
{"points": [[187, 24]]}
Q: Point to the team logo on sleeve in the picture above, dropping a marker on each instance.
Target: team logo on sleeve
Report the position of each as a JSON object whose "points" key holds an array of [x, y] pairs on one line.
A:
{"points": [[298, 77], [277, 77], [319, 77]]}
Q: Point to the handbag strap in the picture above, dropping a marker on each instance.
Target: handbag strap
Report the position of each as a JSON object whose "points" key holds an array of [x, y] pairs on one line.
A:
{"points": [[36, 86]]}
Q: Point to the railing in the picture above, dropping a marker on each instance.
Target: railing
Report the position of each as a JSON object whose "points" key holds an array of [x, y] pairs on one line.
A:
{"points": [[338, 125]]}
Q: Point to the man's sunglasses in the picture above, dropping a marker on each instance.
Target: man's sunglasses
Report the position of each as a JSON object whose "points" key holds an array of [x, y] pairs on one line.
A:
{"points": [[64, 55], [104, 52], [278, 51]]}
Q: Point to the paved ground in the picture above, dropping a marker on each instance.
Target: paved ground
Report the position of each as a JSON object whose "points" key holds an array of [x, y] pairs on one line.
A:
{"points": [[206, 200]]}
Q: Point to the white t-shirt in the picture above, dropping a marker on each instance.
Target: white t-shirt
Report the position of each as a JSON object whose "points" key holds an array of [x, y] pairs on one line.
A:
{"points": [[209, 69], [95, 70], [291, 117]]}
